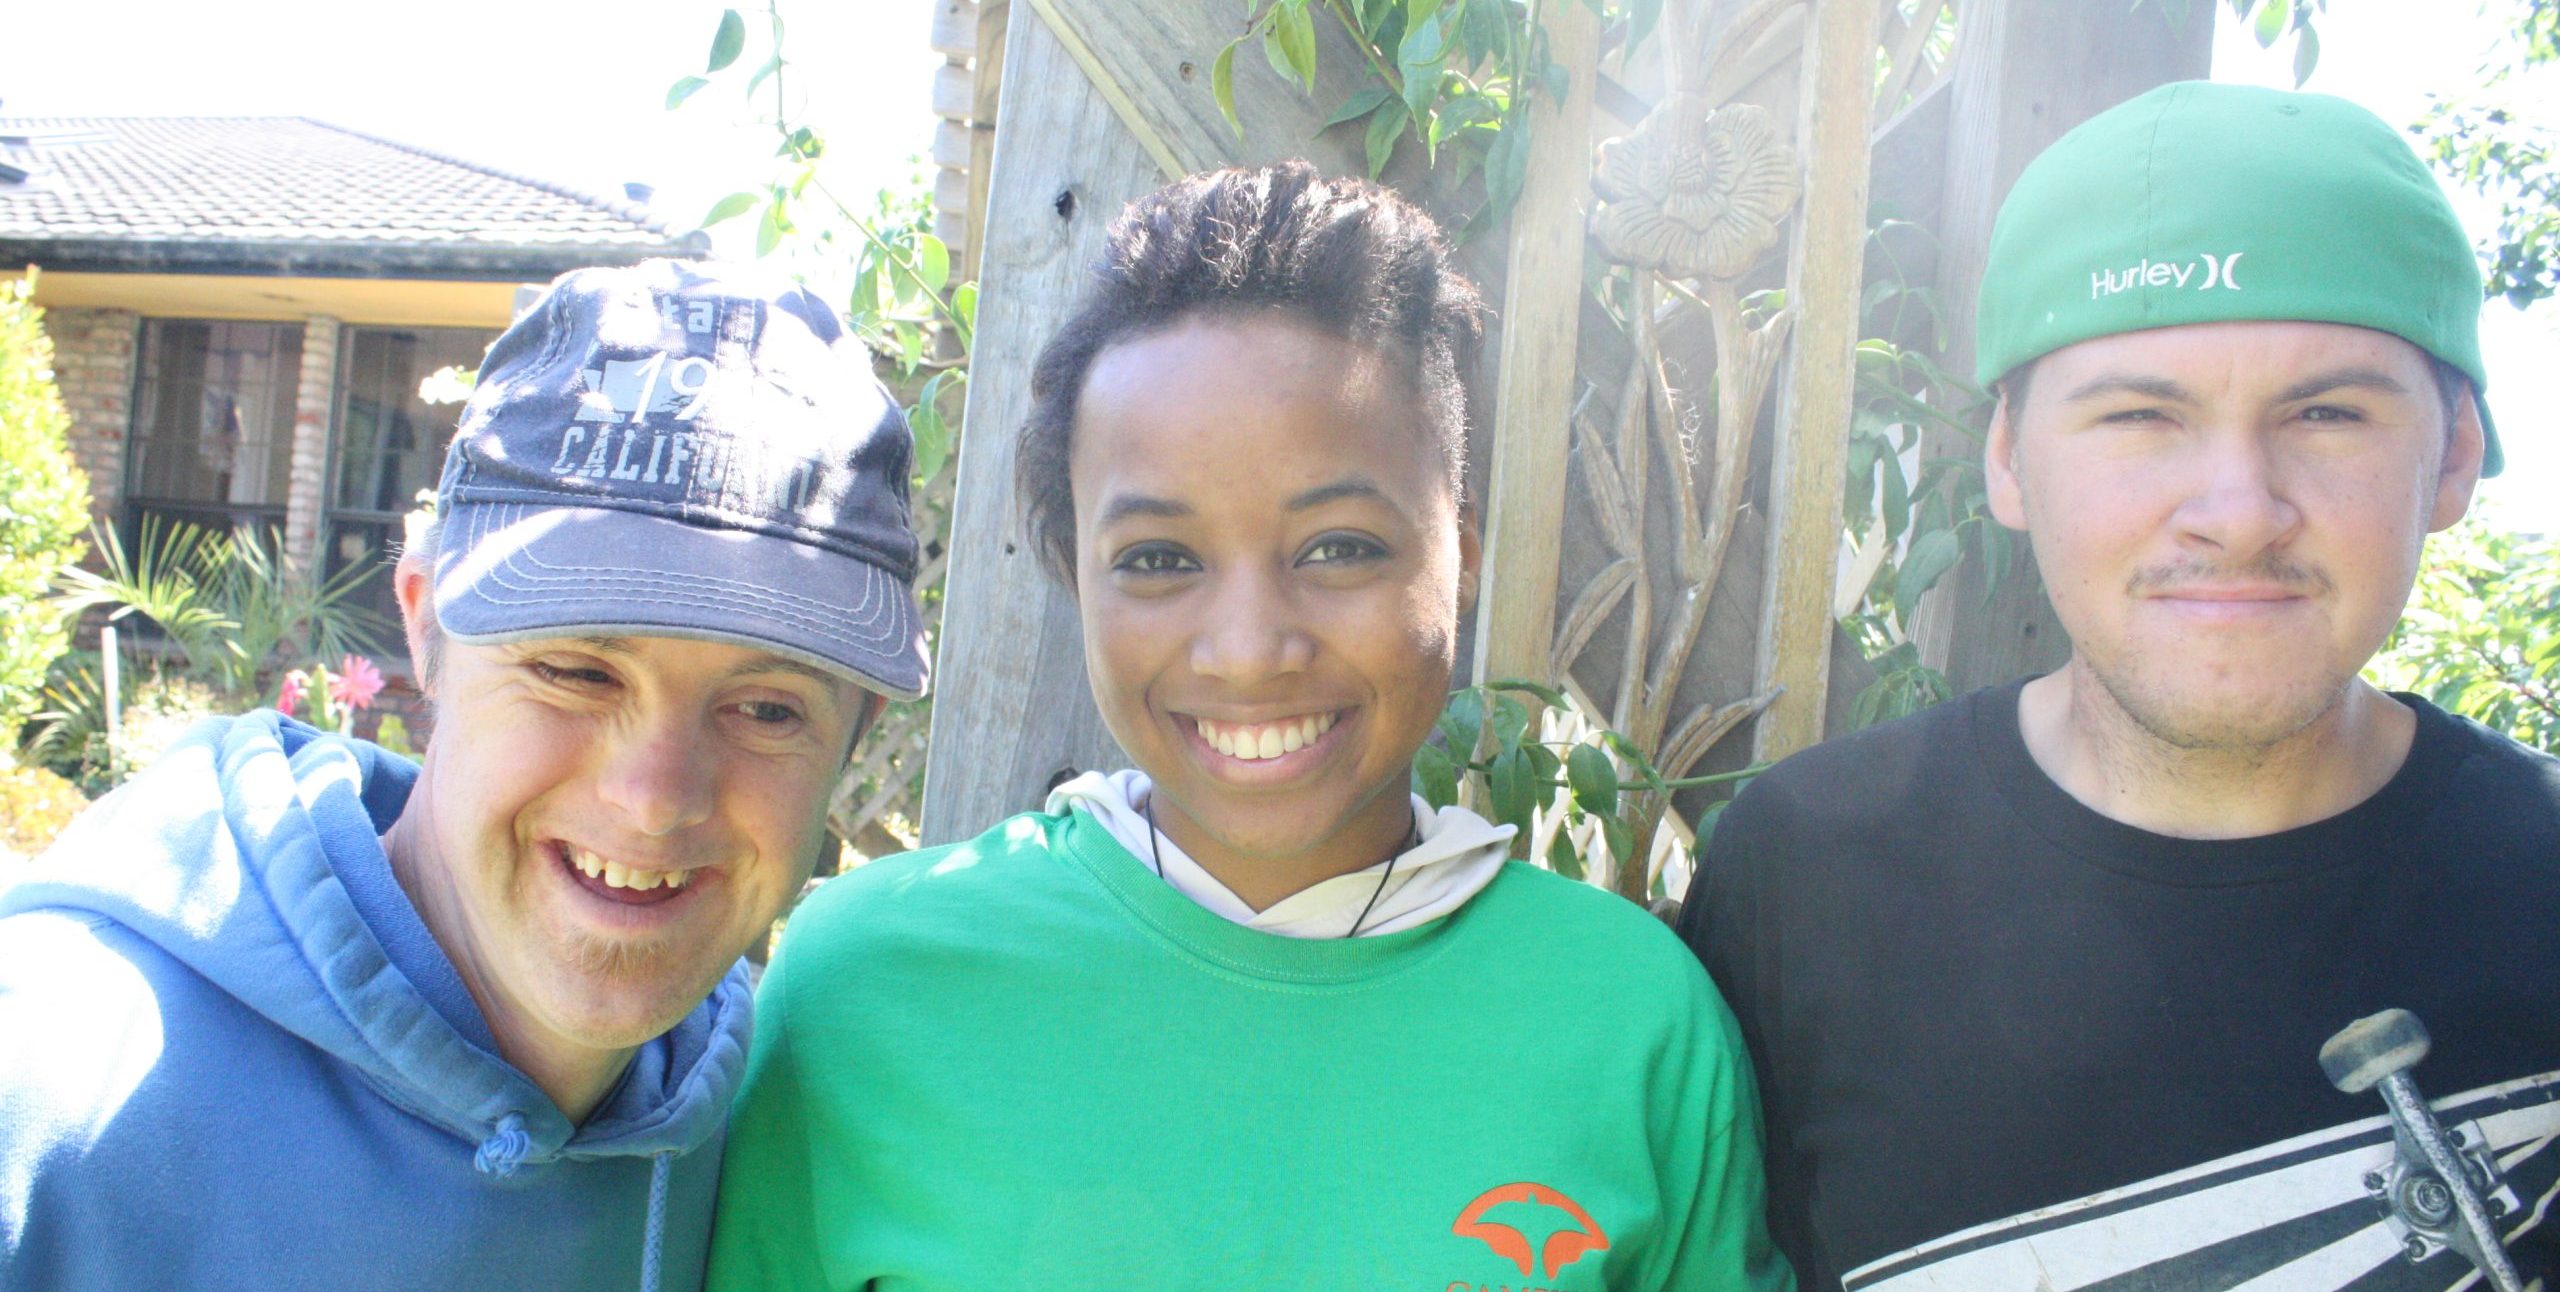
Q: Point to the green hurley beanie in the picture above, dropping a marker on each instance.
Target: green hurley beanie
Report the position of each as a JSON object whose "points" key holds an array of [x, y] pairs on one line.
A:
{"points": [[2204, 203]]}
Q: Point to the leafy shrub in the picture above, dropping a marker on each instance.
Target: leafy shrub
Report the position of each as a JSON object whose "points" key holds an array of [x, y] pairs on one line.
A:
{"points": [[159, 711], [69, 737], [2481, 636], [44, 505], [35, 805]]}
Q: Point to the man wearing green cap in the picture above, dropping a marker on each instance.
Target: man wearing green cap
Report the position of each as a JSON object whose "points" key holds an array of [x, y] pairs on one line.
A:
{"points": [[2038, 981]]}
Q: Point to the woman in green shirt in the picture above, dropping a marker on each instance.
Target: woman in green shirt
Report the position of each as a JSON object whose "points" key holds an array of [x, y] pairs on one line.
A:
{"points": [[1250, 1014]]}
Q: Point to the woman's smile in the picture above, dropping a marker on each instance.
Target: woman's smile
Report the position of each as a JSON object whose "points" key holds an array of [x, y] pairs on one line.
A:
{"points": [[1268, 751]]}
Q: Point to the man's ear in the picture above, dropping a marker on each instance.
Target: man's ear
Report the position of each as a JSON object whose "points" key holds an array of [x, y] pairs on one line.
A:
{"points": [[2459, 473], [413, 583], [2000, 467]]}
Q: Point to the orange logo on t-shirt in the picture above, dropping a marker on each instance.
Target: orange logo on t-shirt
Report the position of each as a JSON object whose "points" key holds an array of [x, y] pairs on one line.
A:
{"points": [[1563, 1246]]}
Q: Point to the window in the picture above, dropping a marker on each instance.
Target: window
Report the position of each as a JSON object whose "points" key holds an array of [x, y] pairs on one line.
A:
{"points": [[213, 424], [389, 443]]}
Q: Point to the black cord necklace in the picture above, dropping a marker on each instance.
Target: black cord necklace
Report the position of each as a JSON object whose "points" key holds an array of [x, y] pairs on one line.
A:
{"points": [[1412, 840]]}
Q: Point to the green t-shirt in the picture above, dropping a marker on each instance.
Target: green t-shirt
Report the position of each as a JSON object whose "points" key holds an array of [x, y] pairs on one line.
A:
{"points": [[1026, 1062]]}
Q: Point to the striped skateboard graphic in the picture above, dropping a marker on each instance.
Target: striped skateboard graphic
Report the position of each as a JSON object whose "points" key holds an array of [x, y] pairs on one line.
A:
{"points": [[2303, 1215]]}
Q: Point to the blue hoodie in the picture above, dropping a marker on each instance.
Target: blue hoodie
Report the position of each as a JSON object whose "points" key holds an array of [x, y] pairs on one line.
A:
{"points": [[231, 1056]]}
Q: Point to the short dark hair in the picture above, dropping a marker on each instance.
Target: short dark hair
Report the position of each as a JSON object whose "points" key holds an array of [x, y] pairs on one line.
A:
{"points": [[1350, 257], [2453, 386]]}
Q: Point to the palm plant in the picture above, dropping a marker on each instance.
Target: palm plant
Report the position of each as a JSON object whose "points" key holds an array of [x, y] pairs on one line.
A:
{"points": [[226, 608], [225, 601]]}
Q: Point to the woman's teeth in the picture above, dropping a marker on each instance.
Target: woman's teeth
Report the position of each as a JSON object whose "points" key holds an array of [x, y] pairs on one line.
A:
{"points": [[1255, 741], [617, 875]]}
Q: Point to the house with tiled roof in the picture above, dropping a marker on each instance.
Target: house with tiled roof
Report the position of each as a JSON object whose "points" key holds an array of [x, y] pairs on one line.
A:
{"points": [[243, 309]]}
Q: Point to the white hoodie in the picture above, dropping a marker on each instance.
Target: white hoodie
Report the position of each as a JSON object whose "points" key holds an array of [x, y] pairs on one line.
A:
{"points": [[1459, 854]]}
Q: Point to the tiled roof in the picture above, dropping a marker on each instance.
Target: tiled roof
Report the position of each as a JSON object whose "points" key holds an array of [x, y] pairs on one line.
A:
{"points": [[289, 195]]}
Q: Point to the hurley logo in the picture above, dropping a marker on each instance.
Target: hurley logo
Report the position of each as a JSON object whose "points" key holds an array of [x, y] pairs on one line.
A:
{"points": [[1570, 1233], [2217, 271]]}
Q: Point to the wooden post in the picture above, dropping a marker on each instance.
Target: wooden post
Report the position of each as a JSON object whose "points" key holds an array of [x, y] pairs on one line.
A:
{"points": [[1523, 510], [2026, 72], [987, 87], [1811, 446]]}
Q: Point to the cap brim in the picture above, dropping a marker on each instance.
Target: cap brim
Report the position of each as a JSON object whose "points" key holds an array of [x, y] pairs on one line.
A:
{"points": [[511, 571]]}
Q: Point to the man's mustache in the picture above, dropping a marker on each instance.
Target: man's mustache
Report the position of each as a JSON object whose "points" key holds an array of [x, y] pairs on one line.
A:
{"points": [[2267, 568]]}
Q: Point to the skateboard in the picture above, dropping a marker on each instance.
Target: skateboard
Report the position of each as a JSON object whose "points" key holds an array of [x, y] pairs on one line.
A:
{"points": [[2333, 1209]]}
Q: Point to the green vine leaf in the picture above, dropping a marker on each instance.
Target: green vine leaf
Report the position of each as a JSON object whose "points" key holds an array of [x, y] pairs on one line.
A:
{"points": [[1932, 555], [1544, 766], [932, 434], [1621, 838], [1289, 42], [1419, 61], [1506, 165], [1642, 15], [727, 41], [1222, 85], [1562, 857], [1435, 776], [769, 233], [1547, 695], [1515, 789], [683, 90], [2271, 20], [771, 66], [730, 208], [1594, 780], [1386, 126], [1462, 722], [933, 262], [1362, 102]]}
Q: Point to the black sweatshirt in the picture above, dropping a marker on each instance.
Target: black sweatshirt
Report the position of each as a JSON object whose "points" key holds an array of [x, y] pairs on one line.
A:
{"points": [[1970, 998]]}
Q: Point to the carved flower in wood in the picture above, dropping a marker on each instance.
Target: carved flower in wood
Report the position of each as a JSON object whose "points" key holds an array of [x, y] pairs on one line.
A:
{"points": [[1695, 191]]}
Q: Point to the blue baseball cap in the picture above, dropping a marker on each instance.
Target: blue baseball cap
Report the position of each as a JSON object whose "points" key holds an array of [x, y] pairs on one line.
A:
{"points": [[679, 449]]}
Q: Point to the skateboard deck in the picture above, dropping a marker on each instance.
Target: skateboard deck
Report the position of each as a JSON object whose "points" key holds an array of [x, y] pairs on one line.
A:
{"points": [[2295, 1216]]}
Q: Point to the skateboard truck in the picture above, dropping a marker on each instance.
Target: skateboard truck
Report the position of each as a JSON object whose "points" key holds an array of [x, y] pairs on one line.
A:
{"points": [[2439, 1185]]}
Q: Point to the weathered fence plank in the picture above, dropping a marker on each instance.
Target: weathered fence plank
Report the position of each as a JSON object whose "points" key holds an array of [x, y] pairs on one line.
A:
{"points": [[1523, 507], [1810, 453]]}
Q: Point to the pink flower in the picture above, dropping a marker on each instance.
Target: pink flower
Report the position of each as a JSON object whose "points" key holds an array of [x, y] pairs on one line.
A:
{"points": [[289, 692], [356, 683]]}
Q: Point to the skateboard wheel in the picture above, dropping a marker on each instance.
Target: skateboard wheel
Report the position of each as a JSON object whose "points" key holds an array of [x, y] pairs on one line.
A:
{"points": [[2372, 1048]]}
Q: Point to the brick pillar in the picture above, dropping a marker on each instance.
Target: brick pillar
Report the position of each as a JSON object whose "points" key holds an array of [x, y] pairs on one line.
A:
{"points": [[93, 357], [314, 400]]}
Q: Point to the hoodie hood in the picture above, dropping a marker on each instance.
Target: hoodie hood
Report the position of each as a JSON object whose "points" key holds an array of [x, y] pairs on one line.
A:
{"points": [[1454, 855], [251, 853]]}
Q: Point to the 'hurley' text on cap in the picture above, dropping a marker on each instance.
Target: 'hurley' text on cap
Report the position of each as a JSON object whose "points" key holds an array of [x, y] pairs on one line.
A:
{"points": [[2218, 273]]}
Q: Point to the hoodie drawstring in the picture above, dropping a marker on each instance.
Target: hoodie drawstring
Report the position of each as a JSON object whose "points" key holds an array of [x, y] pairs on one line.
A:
{"points": [[505, 1149], [657, 1222]]}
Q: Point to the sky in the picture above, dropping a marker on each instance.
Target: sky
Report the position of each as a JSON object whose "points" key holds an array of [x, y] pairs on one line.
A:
{"points": [[574, 92]]}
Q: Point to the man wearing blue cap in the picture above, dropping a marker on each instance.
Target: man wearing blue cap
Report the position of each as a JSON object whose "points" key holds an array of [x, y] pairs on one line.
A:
{"points": [[2039, 982], [287, 1012]]}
